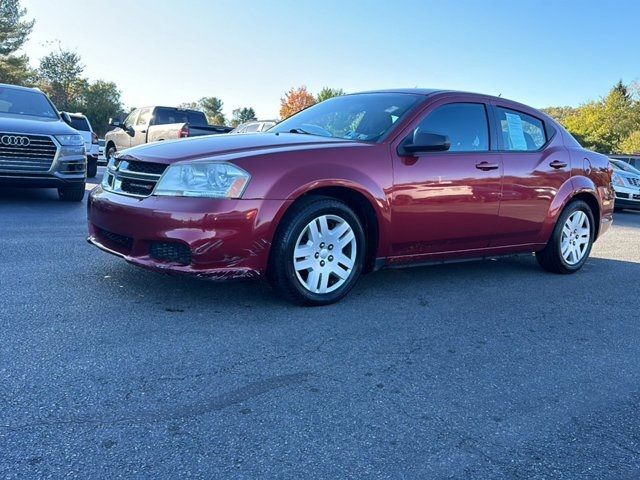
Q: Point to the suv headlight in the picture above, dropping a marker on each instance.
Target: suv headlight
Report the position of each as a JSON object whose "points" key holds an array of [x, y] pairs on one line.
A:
{"points": [[203, 179], [70, 140], [617, 180]]}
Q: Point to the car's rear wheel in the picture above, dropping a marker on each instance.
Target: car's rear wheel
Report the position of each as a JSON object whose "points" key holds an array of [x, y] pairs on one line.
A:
{"points": [[72, 194], [571, 241], [318, 252]]}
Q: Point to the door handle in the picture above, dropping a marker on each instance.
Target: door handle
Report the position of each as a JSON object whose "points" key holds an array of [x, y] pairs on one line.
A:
{"points": [[558, 164], [143, 131], [486, 166]]}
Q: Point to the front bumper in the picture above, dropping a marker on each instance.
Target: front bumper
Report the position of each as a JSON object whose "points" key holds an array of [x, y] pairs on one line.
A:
{"points": [[627, 198], [223, 239]]}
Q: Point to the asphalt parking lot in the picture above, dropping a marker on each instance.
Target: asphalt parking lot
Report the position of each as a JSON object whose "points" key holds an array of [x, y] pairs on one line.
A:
{"points": [[490, 369]]}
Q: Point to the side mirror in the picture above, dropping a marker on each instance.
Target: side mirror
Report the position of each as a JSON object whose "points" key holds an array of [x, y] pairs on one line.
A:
{"points": [[65, 118], [423, 142], [114, 122]]}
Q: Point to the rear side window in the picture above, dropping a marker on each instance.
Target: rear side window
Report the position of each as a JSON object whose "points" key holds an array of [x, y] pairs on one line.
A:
{"points": [[464, 123], [253, 127], [166, 116], [80, 123], [520, 132]]}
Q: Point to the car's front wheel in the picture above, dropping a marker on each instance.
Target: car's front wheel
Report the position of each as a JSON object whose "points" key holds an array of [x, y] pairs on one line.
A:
{"points": [[571, 241], [318, 252]]}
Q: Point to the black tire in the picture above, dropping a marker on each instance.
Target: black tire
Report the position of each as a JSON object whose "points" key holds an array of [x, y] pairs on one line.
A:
{"points": [[550, 258], [109, 152], [92, 167], [281, 272], [71, 194]]}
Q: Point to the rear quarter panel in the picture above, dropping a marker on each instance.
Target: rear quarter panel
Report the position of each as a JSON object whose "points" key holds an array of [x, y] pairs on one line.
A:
{"points": [[163, 132]]}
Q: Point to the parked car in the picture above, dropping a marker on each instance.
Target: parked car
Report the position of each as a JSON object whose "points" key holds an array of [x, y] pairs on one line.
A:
{"points": [[353, 184], [255, 126], [38, 147], [633, 160], [83, 126], [626, 183], [152, 124]]}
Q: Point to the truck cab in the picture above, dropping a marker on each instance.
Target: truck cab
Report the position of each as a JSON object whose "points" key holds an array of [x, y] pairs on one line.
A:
{"points": [[156, 124]]}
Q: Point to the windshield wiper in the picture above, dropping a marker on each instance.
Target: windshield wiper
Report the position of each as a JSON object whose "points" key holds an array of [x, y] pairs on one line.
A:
{"points": [[301, 131]]}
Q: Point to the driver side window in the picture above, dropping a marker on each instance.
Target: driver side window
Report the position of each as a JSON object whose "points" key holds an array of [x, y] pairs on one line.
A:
{"points": [[465, 124], [131, 118]]}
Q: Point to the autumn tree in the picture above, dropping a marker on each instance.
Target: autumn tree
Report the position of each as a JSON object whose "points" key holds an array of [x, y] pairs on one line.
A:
{"points": [[326, 93], [242, 115], [14, 30], [295, 100]]}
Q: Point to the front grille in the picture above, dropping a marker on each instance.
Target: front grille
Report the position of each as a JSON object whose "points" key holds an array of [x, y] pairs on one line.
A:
{"points": [[128, 176], [120, 240], [146, 167], [26, 153], [174, 252], [137, 187], [634, 181], [622, 195]]}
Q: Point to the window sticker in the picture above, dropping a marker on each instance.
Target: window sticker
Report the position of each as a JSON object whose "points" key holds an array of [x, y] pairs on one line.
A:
{"points": [[516, 132]]}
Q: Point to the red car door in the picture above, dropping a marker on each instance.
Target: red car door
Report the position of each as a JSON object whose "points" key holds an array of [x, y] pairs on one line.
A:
{"points": [[447, 201], [536, 165]]}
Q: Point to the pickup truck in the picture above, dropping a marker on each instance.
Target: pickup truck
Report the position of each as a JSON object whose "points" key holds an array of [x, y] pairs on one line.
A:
{"points": [[154, 124]]}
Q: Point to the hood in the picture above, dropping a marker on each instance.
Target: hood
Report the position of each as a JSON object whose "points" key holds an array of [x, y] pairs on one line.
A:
{"points": [[33, 125], [231, 146]]}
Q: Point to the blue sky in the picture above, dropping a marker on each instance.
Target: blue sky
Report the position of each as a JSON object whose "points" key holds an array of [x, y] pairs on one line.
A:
{"points": [[250, 52]]}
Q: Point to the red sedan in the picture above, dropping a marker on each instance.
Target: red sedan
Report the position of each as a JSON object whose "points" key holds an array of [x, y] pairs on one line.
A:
{"points": [[353, 184]]}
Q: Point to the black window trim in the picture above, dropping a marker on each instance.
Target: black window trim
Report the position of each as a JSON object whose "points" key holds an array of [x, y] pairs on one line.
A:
{"points": [[549, 131]]}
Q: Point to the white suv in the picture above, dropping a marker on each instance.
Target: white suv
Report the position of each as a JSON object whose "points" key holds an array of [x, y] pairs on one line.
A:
{"points": [[82, 125]]}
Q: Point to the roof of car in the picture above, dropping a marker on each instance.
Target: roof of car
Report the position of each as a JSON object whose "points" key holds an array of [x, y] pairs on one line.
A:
{"points": [[18, 87], [414, 91]]}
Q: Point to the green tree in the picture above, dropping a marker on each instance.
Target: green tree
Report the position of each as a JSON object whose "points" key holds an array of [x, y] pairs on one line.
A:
{"points": [[212, 108], [60, 76], [327, 93], [560, 113], [14, 31], [101, 101], [242, 115], [631, 144]]}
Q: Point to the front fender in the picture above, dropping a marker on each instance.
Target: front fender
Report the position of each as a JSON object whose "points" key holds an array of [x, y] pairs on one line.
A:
{"points": [[302, 181]]}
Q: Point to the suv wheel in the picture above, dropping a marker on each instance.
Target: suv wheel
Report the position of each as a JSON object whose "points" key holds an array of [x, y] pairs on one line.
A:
{"points": [[571, 241], [71, 194], [92, 167], [318, 252]]}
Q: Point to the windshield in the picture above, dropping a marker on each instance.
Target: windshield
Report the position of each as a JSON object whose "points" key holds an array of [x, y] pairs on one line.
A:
{"points": [[25, 102], [365, 117], [622, 165]]}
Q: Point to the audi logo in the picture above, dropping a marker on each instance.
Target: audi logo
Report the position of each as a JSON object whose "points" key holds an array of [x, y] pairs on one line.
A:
{"points": [[15, 141]]}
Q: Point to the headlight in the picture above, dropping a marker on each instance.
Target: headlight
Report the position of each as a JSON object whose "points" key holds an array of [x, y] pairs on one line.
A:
{"points": [[67, 140], [203, 179], [617, 180]]}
